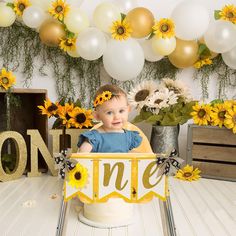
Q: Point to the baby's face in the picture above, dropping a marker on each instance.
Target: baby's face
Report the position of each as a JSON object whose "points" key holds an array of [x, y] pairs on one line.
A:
{"points": [[113, 113]]}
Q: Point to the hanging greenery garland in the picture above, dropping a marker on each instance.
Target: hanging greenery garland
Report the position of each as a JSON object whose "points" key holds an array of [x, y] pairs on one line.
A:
{"points": [[21, 48]]}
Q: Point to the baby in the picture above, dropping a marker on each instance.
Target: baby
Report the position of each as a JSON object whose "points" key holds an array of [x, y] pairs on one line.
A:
{"points": [[112, 109]]}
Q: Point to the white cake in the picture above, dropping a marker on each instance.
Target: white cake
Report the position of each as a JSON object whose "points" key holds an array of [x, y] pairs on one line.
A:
{"points": [[115, 211]]}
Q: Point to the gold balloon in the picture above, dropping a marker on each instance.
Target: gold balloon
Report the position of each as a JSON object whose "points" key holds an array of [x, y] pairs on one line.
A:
{"points": [[51, 32], [141, 21], [213, 54], [185, 53]]}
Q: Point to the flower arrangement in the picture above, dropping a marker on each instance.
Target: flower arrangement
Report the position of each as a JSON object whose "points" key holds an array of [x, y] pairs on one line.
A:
{"points": [[217, 113], [164, 104], [69, 114]]}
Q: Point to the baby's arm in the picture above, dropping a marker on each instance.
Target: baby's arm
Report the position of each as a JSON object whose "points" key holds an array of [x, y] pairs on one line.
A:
{"points": [[85, 147]]}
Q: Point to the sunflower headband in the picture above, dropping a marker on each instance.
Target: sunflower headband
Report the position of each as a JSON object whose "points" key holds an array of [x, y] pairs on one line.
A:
{"points": [[101, 98]]}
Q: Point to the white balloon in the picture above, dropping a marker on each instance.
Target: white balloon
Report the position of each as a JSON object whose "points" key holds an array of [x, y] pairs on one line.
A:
{"points": [[7, 15], [91, 44], [73, 53], [44, 4], [126, 5], [191, 20], [230, 58], [149, 54], [33, 16], [123, 60], [162, 46], [221, 36], [75, 3], [104, 15], [76, 20]]}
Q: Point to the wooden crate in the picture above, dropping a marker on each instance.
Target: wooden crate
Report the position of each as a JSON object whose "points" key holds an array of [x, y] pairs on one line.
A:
{"points": [[25, 116], [213, 151]]}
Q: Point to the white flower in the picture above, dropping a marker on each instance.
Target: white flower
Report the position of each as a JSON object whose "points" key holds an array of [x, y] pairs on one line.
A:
{"points": [[139, 95], [178, 88]]}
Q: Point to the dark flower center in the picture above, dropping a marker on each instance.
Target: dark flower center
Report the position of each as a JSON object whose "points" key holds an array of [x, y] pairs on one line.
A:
{"points": [[174, 89], [141, 95], [59, 9], [78, 175], [5, 80], [221, 114], [230, 14], [21, 7], [164, 28], [187, 174], [81, 118], [201, 113], [120, 30], [158, 101], [68, 43], [67, 116], [53, 107]]}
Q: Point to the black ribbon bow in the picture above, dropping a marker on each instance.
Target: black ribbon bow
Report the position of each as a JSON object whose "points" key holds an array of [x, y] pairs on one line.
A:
{"points": [[63, 163], [170, 164]]}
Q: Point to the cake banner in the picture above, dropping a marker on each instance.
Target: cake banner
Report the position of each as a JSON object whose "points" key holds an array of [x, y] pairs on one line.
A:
{"points": [[96, 177]]}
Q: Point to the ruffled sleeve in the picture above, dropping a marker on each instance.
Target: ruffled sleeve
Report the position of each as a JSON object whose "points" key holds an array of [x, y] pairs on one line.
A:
{"points": [[135, 139], [91, 137]]}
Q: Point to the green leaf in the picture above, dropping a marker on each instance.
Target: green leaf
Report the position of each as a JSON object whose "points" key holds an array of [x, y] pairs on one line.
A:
{"points": [[203, 51], [11, 5], [217, 14], [216, 101], [137, 119], [151, 35], [122, 16], [154, 118], [57, 123], [78, 103]]}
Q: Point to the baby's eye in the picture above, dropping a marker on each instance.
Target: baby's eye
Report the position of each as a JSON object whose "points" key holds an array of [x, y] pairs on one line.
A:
{"points": [[122, 110], [109, 112]]}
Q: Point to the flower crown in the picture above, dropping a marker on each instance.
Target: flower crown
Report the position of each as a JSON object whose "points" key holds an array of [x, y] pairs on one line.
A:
{"points": [[101, 98]]}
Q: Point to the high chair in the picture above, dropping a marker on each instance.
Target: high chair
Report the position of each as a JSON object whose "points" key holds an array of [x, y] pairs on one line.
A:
{"points": [[165, 206]]}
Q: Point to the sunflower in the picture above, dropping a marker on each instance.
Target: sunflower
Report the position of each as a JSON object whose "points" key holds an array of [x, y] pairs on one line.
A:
{"points": [[78, 176], [98, 101], [67, 44], [230, 119], [228, 13], [202, 62], [49, 108], [59, 9], [139, 95], [218, 114], [81, 117], [201, 114], [188, 173], [20, 5], [7, 79], [165, 28], [121, 30], [63, 112], [106, 95]]}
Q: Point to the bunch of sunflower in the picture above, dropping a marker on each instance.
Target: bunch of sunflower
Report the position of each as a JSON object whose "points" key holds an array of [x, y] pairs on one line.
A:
{"points": [[69, 114], [217, 113], [167, 103]]}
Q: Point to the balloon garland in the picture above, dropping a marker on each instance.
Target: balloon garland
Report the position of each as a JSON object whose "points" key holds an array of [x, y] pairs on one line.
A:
{"points": [[62, 24]]}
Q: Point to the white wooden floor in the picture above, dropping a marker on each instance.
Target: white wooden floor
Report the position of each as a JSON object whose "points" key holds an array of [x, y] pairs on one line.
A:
{"points": [[30, 207]]}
